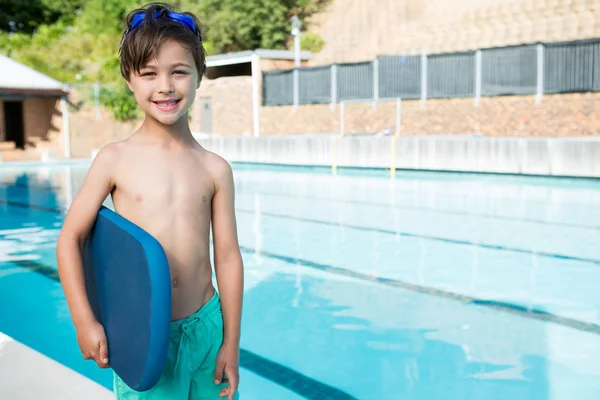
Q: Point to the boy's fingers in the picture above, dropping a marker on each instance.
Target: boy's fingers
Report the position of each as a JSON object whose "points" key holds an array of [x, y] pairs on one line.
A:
{"points": [[233, 381], [224, 392], [103, 352], [219, 372], [232, 387], [100, 355]]}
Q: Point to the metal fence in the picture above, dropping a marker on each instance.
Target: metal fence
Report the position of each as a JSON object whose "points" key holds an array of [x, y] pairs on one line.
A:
{"points": [[400, 76], [451, 75], [572, 67], [517, 70]]}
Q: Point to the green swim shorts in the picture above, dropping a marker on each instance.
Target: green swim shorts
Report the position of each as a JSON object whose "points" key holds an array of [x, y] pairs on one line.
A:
{"points": [[191, 360]]}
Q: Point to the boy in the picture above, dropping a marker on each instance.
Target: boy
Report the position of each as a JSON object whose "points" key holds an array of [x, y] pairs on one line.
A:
{"points": [[161, 179]]}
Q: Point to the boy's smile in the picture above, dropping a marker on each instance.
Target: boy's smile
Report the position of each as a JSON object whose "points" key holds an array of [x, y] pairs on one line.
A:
{"points": [[167, 105], [165, 87]]}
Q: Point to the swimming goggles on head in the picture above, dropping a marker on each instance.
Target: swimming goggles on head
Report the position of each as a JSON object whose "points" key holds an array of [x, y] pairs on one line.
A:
{"points": [[187, 21]]}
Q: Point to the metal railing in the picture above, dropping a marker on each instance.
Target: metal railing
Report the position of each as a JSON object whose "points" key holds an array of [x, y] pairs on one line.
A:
{"points": [[534, 69]]}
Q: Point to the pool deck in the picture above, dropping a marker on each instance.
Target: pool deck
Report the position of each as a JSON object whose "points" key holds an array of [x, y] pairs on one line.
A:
{"points": [[26, 374]]}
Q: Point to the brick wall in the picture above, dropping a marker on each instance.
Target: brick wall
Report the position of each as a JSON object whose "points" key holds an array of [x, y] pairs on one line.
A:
{"points": [[42, 119], [231, 105], [558, 115], [89, 133]]}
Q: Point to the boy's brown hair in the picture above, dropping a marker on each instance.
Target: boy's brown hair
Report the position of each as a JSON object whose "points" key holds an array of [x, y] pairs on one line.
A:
{"points": [[142, 44]]}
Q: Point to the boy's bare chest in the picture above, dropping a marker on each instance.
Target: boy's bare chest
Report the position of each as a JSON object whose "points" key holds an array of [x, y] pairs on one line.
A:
{"points": [[162, 185]]}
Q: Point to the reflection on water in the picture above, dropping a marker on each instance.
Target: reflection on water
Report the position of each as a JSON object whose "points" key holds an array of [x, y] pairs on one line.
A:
{"points": [[310, 240]]}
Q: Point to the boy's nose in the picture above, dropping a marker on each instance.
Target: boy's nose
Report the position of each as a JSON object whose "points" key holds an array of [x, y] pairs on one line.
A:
{"points": [[166, 86]]}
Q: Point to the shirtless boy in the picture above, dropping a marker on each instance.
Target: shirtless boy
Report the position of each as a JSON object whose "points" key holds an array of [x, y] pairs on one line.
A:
{"points": [[161, 179]]}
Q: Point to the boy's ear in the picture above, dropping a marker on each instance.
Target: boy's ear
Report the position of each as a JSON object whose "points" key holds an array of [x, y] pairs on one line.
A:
{"points": [[129, 86]]}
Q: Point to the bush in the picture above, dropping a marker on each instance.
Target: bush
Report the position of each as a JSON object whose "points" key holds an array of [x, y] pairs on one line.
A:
{"points": [[120, 102], [311, 42]]}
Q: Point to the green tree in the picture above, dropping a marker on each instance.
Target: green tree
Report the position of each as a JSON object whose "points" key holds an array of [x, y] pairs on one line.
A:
{"points": [[25, 16], [78, 40], [236, 25]]}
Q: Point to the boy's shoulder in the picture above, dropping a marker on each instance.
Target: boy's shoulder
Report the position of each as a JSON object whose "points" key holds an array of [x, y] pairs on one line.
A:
{"points": [[116, 149], [108, 153], [217, 166]]}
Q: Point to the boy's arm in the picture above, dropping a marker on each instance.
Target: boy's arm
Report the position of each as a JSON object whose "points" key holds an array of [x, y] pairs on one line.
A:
{"points": [[229, 272], [228, 260], [78, 222]]}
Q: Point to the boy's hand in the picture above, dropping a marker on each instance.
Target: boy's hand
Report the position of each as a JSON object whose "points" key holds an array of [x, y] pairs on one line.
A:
{"points": [[228, 362], [92, 343]]}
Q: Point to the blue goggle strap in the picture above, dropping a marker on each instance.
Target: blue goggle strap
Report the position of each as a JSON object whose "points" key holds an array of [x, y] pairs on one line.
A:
{"points": [[185, 20]]}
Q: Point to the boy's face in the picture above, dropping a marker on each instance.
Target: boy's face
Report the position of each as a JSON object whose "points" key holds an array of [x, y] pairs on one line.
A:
{"points": [[166, 87]]}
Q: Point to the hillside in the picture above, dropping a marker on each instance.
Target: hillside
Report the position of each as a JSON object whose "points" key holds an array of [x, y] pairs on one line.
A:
{"points": [[357, 30]]}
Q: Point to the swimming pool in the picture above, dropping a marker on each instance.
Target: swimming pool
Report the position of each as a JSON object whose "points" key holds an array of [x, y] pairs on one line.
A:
{"points": [[358, 286]]}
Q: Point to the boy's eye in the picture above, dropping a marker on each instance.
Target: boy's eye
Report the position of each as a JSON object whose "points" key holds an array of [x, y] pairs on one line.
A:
{"points": [[147, 73], [180, 72]]}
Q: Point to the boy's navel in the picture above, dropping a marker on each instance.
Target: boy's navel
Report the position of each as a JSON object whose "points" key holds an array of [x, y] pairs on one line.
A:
{"points": [[204, 199], [175, 282]]}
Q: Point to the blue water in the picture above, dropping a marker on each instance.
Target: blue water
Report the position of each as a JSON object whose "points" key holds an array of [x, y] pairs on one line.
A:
{"points": [[358, 286]]}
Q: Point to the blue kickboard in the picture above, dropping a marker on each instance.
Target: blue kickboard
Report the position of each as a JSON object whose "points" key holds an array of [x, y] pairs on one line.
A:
{"points": [[129, 288]]}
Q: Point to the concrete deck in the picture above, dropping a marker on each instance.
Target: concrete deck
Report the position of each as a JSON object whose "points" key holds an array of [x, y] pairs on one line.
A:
{"points": [[26, 374]]}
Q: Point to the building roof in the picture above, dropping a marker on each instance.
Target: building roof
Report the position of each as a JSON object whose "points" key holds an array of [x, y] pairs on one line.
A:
{"points": [[246, 56], [18, 79]]}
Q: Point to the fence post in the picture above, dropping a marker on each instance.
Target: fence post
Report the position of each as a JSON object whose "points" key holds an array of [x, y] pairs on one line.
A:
{"points": [[540, 74], [296, 88], [423, 79], [333, 87], [477, 78], [375, 82]]}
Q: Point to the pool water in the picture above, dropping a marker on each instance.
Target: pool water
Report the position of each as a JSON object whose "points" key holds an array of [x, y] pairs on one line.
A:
{"points": [[361, 286]]}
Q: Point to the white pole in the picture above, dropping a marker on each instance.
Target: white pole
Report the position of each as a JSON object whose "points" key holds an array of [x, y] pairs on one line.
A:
{"points": [[423, 79], [477, 77], [333, 87], [296, 24], [540, 74], [64, 107], [375, 82], [297, 49], [255, 97], [296, 88]]}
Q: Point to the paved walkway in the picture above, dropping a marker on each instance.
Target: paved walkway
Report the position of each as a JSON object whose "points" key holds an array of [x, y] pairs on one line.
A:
{"points": [[26, 374]]}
